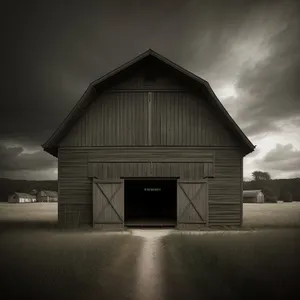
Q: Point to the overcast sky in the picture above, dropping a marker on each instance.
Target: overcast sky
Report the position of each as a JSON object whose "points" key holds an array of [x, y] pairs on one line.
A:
{"points": [[249, 51]]}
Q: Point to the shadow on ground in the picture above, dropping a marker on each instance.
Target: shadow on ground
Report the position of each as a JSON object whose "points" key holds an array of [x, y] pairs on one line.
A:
{"points": [[45, 264], [30, 224], [245, 265]]}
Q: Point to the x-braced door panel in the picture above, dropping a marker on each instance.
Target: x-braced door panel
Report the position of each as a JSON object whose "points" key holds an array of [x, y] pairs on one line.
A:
{"points": [[108, 202], [192, 202]]}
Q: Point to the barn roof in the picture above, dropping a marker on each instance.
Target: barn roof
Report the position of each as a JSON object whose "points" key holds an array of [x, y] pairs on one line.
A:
{"points": [[51, 145], [24, 195], [250, 193], [49, 193]]}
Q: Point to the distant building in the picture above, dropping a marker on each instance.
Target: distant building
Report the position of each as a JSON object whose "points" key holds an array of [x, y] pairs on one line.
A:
{"points": [[253, 196], [21, 198], [46, 196]]}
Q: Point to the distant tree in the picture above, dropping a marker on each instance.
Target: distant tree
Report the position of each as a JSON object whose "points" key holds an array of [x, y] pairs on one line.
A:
{"points": [[269, 194], [259, 175], [279, 186], [288, 197]]}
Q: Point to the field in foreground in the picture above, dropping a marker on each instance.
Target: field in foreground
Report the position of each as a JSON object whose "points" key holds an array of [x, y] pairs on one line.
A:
{"points": [[41, 262], [255, 215], [263, 215]]}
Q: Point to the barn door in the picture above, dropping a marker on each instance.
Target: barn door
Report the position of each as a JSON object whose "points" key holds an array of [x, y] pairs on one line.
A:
{"points": [[108, 204], [192, 204]]}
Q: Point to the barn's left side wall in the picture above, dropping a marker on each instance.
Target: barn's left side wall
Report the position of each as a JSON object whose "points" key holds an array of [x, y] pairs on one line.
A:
{"points": [[74, 188]]}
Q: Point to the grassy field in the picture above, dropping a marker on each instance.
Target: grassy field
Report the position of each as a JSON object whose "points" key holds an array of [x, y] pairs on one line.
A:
{"points": [[37, 261], [28, 212], [260, 264], [279, 215], [266, 215]]}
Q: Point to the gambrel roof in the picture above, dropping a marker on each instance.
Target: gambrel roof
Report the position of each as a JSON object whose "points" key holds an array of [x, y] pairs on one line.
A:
{"points": [[51, 145]]}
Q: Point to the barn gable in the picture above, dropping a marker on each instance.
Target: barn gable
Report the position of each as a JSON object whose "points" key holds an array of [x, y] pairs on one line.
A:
{"points": [[164, 96], [141, 119]]}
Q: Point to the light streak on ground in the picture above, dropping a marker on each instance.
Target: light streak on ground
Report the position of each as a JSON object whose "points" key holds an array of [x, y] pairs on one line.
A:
{"points": [[149, 274]]}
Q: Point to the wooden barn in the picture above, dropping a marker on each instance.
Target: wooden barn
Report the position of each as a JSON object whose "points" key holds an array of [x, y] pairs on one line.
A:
{"points": [[47, 196], [253, 196], [149, 144], [21, 198]]}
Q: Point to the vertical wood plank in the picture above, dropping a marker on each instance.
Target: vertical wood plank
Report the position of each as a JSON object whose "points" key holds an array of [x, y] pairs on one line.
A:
{"points": [[149, 118]]}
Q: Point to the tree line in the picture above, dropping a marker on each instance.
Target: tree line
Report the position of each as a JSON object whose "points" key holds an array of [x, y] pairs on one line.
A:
{"points": [[274, 189]]}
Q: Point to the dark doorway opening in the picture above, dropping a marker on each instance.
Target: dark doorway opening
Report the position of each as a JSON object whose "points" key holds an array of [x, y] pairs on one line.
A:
{"points": [[150, 202]]}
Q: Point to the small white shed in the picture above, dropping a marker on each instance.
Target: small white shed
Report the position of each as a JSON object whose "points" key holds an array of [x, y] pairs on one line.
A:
{"points": [[21, 198], [253, 196]]}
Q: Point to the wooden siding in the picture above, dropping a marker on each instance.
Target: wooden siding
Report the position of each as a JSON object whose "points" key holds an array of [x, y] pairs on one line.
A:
{"points": [[132, 118], [225, 199], [242, 188], [183, 119], [75, 186], [113, 119]]}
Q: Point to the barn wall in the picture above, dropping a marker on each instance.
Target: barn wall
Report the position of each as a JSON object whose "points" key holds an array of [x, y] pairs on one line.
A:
{"points": [[225, 195], [184, 119], [77, 164], [135, 118], [74, 188]]}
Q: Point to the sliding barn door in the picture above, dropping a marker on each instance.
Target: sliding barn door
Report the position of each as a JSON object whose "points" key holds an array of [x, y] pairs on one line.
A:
{"points": [[108, 204], [192, 204]]}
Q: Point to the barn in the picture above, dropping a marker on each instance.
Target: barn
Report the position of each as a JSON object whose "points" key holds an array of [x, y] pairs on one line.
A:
{"points": [[47, 196], [149, 144], [253, 196], [21, 198]]}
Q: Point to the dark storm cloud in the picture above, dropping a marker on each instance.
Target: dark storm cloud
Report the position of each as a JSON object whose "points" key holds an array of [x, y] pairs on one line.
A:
{"points": [[271, 89], [15, 159], [54, 50], [282, 158]]}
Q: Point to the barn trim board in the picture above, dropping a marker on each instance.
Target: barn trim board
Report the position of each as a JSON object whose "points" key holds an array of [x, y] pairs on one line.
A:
{"points": [[149, 118]]}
